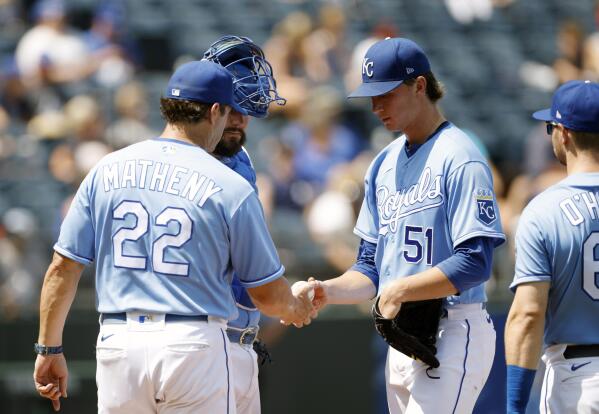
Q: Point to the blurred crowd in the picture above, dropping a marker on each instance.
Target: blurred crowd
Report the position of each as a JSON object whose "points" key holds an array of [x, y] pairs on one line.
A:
{"points": [[75, 84]]}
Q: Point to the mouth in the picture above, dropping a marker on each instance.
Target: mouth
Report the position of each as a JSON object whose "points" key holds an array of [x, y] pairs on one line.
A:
{"points": [[232, 133]]}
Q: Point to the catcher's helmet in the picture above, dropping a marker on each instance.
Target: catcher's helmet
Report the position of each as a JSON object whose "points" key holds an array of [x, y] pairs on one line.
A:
{"points": [[254, 84]]}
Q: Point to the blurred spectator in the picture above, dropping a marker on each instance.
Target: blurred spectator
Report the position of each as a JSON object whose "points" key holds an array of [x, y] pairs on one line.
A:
{"points": [[85, 118], [591, 57], [108, 41], [570, 41], [13, 95], [326, 50], [286, 52], [50, 51], [332, 215], [51, 125], [466, 11], [316, 143], [131, 103]]}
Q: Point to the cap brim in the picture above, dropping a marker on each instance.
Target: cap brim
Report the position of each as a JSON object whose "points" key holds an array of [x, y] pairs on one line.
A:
{"points": [[543, 115], [368, 89], [238, 108]]}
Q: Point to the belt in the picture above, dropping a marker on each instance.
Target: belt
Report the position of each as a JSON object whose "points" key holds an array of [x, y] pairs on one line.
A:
{"points": [[122, 318], [462, 311], [245, 336], [581, 351]]}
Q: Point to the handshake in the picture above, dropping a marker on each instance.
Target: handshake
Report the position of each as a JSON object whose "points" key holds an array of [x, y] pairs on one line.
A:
{"points": [[308, 298]]}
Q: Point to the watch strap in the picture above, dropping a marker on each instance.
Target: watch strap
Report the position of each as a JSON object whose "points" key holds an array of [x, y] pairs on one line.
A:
{"points": [[47, 350]]}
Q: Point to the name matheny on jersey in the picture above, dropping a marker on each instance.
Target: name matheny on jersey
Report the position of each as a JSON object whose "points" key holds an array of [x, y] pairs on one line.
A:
{"points": [[393, 206], [158, 176]]}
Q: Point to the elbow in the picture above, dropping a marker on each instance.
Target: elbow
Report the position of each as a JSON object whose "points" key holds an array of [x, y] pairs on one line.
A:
{"points": [[462, 284], [525, 320]]}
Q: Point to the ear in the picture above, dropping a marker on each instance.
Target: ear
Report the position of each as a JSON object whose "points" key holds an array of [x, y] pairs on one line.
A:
{"points": [[420, 84], [565, 136], [214, 113]]}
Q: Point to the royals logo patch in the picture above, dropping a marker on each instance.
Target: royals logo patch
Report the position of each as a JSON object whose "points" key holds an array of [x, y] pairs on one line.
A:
{"points": [[485, 207]]}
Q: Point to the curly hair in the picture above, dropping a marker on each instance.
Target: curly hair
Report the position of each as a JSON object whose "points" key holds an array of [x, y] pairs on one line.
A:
{"points": [[434, 89], [182, 111]]}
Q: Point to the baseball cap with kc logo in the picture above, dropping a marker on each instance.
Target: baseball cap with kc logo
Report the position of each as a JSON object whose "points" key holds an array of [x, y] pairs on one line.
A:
{"points": [[387, 64], [575, 105]]}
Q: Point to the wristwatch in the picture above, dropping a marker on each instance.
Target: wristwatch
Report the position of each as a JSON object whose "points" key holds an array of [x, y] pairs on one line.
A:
{"points": [[47, 350]]}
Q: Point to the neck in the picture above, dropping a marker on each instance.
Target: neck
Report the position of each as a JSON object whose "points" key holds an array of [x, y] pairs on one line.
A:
{"points": [[195, 134], [424, 125], [582, 162]]}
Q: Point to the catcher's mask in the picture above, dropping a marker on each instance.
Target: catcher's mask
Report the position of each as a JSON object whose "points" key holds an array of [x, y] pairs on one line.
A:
{"points": [[254, 84]]}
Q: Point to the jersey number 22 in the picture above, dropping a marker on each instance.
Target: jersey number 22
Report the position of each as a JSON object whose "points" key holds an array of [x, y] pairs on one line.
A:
{"points": [[141, 227]]}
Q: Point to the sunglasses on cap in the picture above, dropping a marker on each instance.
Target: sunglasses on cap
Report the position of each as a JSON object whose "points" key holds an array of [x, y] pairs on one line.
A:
{"points": [[550, 126]]}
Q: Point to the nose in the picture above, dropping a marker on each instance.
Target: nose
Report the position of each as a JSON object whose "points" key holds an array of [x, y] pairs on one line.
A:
{"points": [[237, 120], [376, 104]]}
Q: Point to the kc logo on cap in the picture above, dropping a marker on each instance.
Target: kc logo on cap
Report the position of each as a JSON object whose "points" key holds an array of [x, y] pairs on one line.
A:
{"points": [[395, 60], [367, 68]]}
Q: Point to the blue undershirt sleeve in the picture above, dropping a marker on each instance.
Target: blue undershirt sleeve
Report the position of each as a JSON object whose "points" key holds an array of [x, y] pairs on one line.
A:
{"points": [[365, 262], [470, 264], [519, 383]]}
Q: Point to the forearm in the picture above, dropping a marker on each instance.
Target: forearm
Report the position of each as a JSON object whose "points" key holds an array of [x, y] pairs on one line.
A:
{"points": [[524, 339], [430, 284], [274, 299], [350, 288], [58, 292]]}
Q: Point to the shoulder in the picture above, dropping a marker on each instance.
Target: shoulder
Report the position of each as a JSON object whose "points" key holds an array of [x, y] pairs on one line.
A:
{"points": [[244, 157], [456, 149]]}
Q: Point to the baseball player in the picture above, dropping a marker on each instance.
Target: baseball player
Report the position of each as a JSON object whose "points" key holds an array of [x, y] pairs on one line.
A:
{"points": [[166, 224], [254, 90], [557, 262], [428, 225]]}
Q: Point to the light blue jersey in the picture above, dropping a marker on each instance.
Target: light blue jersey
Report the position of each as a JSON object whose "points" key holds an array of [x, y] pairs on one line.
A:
{"points": [[417, 209], [167, 225], [249, 315], [558, 242]]}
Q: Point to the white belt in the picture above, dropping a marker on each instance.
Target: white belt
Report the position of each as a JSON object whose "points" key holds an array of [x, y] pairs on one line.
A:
{"points": [[464, 311]]}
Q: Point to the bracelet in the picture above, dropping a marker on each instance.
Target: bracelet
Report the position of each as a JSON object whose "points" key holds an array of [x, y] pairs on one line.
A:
{"points": [[47, 350]]}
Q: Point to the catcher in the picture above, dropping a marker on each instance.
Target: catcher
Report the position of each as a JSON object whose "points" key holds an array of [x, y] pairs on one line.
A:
{"points": [[428, 225]]}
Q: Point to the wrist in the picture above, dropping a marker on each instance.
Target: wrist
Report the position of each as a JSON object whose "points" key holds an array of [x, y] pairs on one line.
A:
{"points": [[42, 349], [519, 383], [395, 296]]}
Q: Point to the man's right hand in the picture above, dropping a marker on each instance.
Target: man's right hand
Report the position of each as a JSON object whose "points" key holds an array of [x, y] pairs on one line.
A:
{"points": [[301, 311], [50, 376]]}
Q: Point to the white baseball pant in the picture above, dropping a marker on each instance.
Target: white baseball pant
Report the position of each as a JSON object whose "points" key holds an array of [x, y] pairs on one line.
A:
{"points": [[245, 369], [465, 350], [164, 367], [569, 385]]}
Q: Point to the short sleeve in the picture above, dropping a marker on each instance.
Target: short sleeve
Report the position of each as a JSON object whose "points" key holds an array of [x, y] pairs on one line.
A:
{"points": [[471, 205], [532, 260], [253, 254], [77, 237], [367, 225]]}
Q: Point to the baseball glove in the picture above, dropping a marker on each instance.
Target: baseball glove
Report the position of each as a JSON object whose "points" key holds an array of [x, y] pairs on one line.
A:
{"points": [[413, 331]]}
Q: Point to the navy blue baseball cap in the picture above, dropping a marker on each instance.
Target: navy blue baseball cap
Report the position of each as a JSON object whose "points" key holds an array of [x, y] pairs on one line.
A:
{"points": [[387, 64], [203, 81], [575, 105]]}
